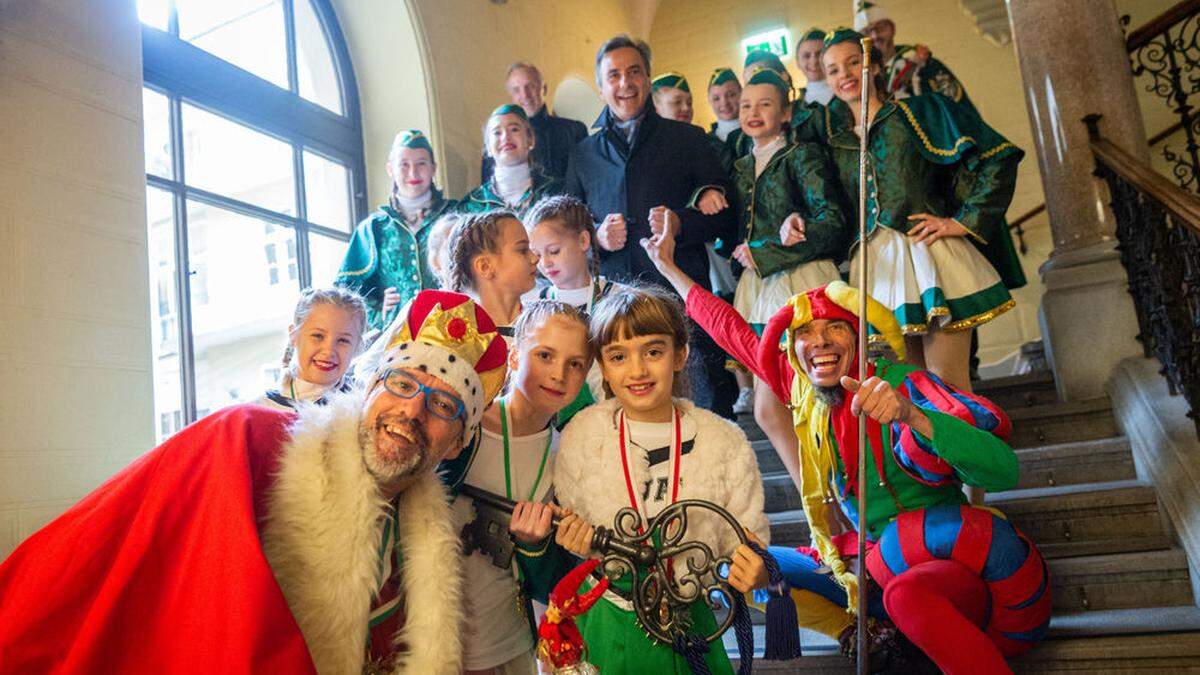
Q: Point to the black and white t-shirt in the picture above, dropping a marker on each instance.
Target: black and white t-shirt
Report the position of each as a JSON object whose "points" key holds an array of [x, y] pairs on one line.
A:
{"points": [[653, 441]]}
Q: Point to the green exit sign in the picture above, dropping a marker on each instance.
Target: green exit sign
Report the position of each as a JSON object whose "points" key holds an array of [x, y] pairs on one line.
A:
{"points": [[777, 41]]}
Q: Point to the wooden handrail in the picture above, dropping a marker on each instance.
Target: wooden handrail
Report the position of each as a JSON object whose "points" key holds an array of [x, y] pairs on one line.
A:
{"points": [[1184, 204], [1159, 24], [1152, 141]]}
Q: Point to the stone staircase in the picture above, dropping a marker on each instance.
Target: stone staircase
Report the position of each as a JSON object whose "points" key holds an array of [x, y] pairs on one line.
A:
{"points": [[1123, 594]]}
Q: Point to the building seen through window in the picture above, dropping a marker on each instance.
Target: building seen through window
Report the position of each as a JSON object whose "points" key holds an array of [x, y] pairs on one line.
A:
{"points": [[254, 182]]}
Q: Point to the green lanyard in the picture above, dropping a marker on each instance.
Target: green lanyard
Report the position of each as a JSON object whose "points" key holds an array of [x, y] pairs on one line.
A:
{"points": [[508, 491]]}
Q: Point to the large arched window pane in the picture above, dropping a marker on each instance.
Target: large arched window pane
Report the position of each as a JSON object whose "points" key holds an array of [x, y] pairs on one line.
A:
{"points": [[248, 34], [252, 189], [233, 160], [315, 69]]}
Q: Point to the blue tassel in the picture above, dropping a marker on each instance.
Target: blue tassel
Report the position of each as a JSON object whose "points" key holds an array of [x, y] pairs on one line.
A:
{"points": [[693, 649], [783, 627]]}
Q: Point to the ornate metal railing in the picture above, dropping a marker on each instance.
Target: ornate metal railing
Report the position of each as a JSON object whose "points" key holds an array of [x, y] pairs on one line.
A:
{"points": [[1158, 227], [1165, 54]]}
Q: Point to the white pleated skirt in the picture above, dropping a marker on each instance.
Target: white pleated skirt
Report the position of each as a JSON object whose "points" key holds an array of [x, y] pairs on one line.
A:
{"points": [[756, 298], [947, 284]]}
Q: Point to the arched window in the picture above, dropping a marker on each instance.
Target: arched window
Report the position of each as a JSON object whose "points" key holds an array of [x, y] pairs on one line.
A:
{"points": [[254, 172]]}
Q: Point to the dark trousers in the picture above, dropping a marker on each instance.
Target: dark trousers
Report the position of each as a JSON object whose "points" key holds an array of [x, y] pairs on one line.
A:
{"points": [[713, 387]]}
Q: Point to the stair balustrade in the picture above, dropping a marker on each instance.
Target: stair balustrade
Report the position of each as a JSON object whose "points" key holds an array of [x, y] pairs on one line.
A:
{"points": [[1158, 227]]}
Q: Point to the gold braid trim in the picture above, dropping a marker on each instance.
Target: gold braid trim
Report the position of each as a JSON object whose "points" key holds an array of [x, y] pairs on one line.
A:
{"points": [[912, 120]]}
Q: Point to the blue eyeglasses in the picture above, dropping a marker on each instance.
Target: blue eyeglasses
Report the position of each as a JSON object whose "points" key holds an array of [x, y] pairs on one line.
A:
{"points": [[439, 402]]}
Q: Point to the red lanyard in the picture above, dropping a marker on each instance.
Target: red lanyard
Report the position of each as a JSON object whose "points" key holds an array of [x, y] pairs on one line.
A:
{"points": [[676, 457]]}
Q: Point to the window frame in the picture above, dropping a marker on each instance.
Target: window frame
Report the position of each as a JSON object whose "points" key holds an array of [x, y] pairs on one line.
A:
{"points": [[184, 73]]}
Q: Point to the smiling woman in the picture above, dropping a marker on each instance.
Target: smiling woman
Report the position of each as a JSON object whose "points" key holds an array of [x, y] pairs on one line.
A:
{"points": [[254, 177]]}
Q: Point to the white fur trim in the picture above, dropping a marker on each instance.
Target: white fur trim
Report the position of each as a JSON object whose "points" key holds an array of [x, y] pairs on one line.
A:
{"points": [[321, 536], [866, 17]]}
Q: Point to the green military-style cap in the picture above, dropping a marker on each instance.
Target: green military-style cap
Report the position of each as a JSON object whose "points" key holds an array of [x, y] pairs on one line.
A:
{"points": [[763, 58], [813, 33], [411, 138], [721, 76], [671, 79], [773, 78], [842, 34], [510, 109]]}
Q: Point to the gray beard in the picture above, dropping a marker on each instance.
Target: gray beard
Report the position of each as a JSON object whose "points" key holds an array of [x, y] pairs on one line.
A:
{"points": [[830, 396], [390, 472]]}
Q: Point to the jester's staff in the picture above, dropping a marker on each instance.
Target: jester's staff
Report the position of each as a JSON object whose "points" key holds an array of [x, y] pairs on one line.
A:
{"points": [[862, 656]]}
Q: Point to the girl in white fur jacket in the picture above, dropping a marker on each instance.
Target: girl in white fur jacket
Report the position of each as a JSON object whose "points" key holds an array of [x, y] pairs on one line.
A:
{"points": [[646, 449]]}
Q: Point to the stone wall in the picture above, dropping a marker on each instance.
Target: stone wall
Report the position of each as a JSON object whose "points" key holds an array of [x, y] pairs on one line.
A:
{"points": [[76, 402]]}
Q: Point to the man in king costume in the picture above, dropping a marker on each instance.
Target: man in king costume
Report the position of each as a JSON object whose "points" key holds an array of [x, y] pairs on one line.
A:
{"points": [[387, 260], [261, 541], [962, 583]]}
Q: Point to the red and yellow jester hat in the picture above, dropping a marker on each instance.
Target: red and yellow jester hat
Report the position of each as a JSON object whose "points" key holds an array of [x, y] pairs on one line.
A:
{"points": [[835, 300], [450, 337]]}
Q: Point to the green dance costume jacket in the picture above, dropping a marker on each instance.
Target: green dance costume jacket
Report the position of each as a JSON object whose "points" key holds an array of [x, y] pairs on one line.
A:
{"points": [[385, 253]]}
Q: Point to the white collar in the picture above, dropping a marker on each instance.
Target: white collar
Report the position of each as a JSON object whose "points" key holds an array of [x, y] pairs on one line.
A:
{"points": [[726, 127], [512, 182]]}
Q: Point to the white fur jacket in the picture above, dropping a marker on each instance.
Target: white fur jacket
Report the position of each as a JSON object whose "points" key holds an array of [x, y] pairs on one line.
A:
{"points": [[321, 536], [721, 468]]}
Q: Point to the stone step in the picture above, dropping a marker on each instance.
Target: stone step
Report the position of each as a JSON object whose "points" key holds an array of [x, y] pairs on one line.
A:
{"points": [[1084, 519], [750, 427], [1067, 422], [1018, 391], [1151, 640], [1064, 521], [1121, 581], [768, 459], [1096, 461]]}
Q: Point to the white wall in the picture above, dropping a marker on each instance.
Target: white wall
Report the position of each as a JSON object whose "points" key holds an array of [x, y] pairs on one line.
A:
{"points": [[75, 395]]}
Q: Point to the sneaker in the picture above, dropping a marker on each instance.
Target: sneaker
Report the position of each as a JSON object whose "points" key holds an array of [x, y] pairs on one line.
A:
{"points": [[745, 402]]}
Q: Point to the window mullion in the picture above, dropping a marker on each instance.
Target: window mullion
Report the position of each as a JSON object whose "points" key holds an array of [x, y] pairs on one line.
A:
{"points": [[183, 286], [302, 247], [289, 30]]}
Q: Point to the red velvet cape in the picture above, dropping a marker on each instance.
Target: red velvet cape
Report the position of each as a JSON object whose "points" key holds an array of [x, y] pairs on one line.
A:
{"points": [[160, 568]]}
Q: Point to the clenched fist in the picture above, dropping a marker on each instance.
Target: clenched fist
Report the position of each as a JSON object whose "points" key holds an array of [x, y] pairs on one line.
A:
{"points": [[612, 232]]}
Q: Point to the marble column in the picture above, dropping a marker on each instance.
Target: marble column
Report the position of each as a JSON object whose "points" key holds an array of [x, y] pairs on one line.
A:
{"points": [[1074, 63]]}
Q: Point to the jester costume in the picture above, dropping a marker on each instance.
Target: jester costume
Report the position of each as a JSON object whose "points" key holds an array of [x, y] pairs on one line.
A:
{"points": [[794, 178], [390, 250], [961, 582]]}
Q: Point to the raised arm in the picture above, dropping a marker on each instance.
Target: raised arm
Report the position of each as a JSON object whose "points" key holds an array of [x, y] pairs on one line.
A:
{"points": [[715, 316]]}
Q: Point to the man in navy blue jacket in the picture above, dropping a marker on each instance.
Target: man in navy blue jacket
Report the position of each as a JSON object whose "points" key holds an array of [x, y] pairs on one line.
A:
{"points": [[640, 174]]}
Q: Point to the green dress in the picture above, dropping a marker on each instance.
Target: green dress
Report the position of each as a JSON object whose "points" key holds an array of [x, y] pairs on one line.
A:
{"points": [[485, 198], [385, 253], [798, 179], [927, 154], [616, 642]]}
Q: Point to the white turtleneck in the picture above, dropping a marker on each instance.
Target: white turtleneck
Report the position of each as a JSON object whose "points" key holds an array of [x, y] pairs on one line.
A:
{"points": [[763, 153], [726, 127], [512, 182], [411, 208], [818, 91], [298, 389]]}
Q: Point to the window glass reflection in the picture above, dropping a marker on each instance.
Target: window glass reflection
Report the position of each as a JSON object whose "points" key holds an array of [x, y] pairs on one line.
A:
{"points": [[225, 157], [250, 35], [240, 331]]}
